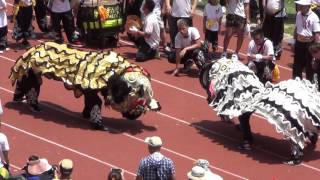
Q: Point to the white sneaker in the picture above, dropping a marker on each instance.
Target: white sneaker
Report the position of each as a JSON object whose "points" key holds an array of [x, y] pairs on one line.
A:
{"points": [[224, 55], [1, 51], [7, 49], [234, 57]]}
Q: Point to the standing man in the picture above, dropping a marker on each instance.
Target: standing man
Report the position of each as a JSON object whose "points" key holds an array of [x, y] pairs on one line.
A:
{"points": [[180, 9], [307, 31], [156, 165], [237, 19], [4, 147], [147, 40], [273, 23]]}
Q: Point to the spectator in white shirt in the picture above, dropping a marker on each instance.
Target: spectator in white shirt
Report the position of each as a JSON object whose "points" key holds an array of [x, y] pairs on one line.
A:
{"points": [[4, 147], [147, 40], [260, 55], [212, 16], [180, 9], [273, 23], [237, 19], [187, 44], [307, 31], [3, 26]]}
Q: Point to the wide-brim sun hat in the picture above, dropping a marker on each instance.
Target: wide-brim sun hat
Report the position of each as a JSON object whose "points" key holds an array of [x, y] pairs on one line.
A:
{"points": [[38, 167]]}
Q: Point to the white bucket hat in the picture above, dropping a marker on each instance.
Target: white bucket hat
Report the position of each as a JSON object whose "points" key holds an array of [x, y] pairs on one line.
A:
{"points": [[154, 141], [199, 173], [304, 2]]}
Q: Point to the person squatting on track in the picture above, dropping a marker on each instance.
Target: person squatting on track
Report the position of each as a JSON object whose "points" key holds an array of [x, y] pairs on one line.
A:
{"points": [[188, 48], [292, 106], [124, 86]]}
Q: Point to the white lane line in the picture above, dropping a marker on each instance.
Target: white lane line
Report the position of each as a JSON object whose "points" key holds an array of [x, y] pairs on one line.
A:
{"points": [[126, 134], [63, 147]]}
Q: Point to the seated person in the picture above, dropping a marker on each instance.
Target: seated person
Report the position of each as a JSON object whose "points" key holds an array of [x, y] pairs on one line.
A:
{"points": [[260, 56], [38, 167], [187, 45], [147, 40]]}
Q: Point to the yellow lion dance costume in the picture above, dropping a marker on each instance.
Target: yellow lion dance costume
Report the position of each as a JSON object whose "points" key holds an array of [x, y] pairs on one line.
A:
{"points": [[124, 86]]}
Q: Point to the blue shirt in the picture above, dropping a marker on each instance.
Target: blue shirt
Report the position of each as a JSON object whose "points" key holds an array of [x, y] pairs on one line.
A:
{"points": [[156, 164]]}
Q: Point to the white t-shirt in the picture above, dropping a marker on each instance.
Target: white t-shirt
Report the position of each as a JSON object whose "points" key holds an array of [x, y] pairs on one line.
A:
{"points": [[4, 146], [308, 24], [27, 2], [182, 42], [60, 6], [181, 8], [151, 26], [236, 7], [157, 7], [274, 6], [266, 48], [3, 14], [213, 14]]}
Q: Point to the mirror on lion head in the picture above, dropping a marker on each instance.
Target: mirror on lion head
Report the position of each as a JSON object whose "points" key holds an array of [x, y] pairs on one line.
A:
{"points": [[130, 94]]}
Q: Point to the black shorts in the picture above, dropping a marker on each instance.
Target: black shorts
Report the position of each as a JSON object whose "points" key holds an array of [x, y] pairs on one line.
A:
{"points": [[212, 37], [235, 21]]}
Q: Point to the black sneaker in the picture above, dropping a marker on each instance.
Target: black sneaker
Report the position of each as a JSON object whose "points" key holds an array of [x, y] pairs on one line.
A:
{"points": [[17, 100], [99, 126], [35, 108], [293, 162], [245, 146]]}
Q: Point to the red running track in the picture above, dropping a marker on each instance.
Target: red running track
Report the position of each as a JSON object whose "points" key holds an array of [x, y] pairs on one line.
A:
{"points": [[189, 128]]}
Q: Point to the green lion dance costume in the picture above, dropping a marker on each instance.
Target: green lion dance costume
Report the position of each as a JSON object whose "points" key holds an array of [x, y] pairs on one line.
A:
{"points": [[124, 86]]}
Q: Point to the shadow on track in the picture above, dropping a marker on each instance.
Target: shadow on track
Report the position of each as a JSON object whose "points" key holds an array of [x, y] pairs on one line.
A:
{"points": [[265, 149], [60, 115]]}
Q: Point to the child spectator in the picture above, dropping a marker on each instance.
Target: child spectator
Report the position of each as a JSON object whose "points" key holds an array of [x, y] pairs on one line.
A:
{"points": [[3, 26], [212, 22]]}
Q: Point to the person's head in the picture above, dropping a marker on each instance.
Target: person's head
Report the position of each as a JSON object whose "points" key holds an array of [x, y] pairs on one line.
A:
{"points": [[183, 27], [258, 36], [203, 163], [65, 168], [214, 2], [303, 6], [314, 50], [148, 6], [199, 173], [115, 174], [154, 144]]}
